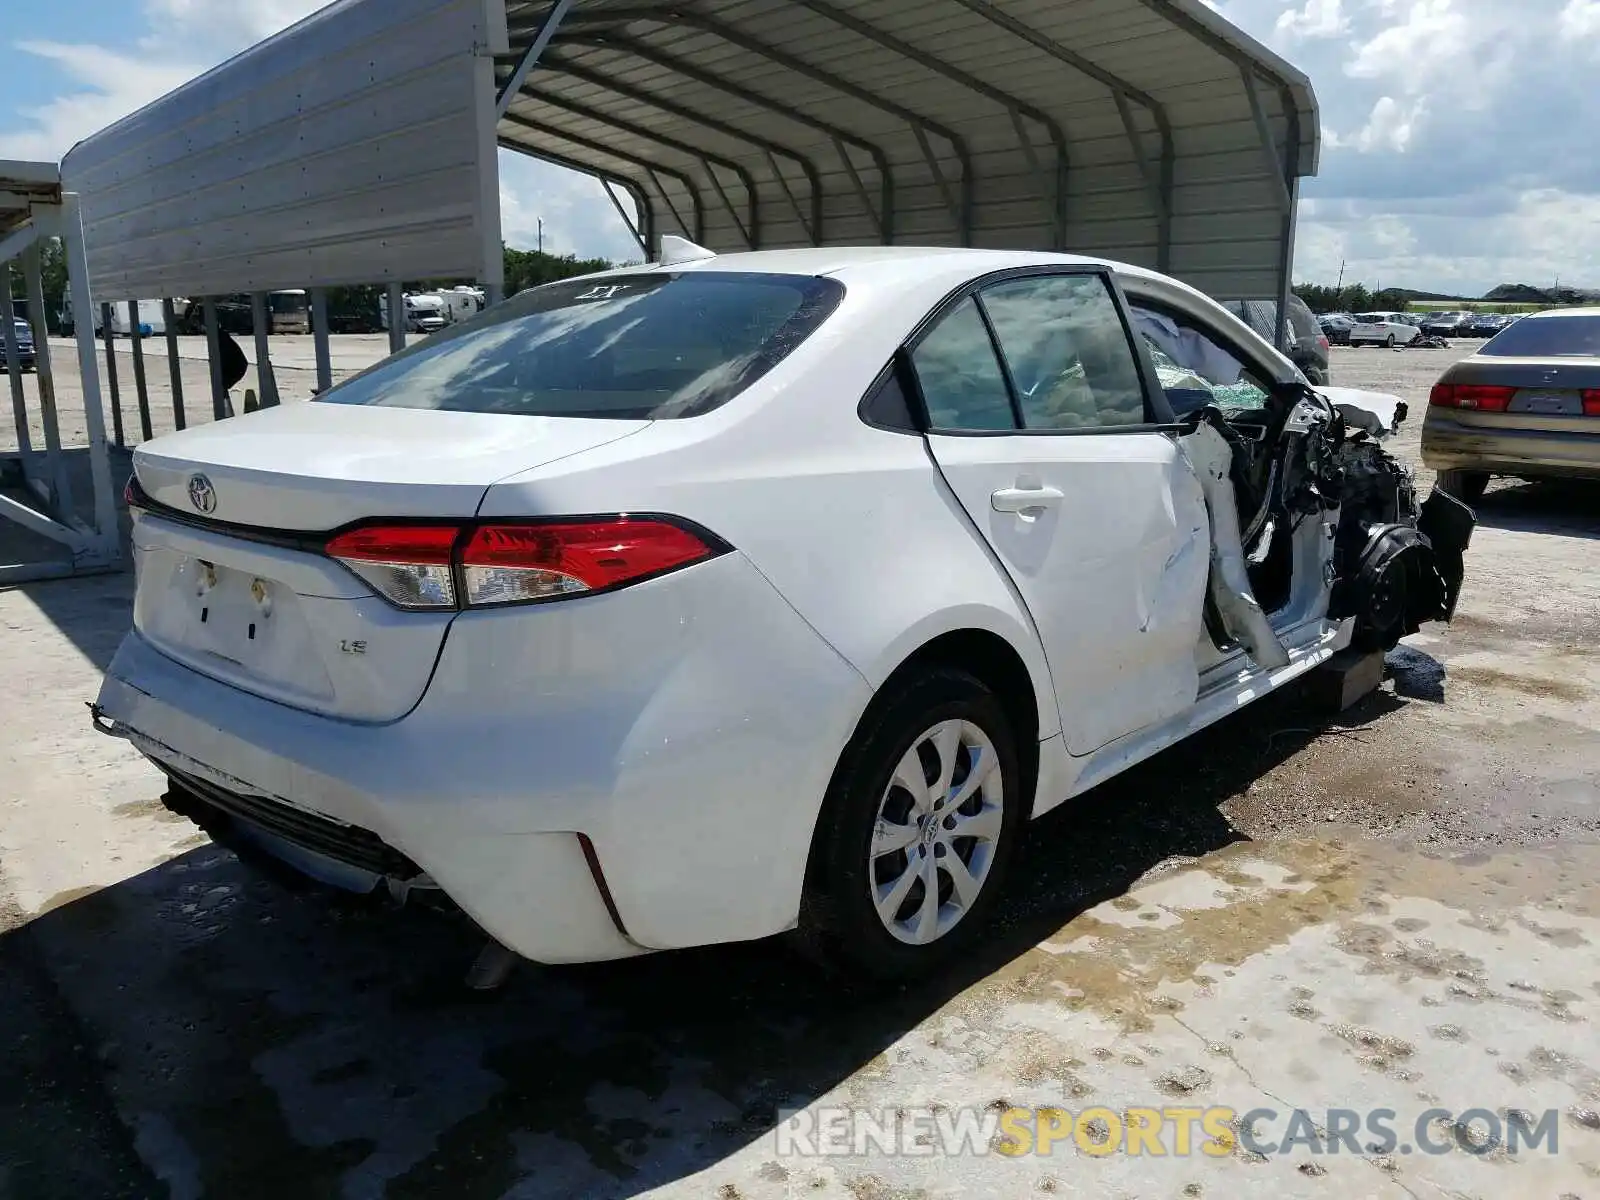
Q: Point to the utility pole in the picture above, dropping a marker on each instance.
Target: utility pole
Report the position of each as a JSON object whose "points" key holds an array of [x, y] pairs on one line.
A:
{"points": [[541, 235]]}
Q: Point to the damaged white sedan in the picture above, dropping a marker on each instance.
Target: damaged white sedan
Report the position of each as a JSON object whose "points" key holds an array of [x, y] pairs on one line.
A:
{"points": [[730, 596]]}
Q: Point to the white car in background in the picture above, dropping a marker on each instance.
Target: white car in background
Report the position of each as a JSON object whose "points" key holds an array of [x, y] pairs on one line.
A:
{"points": [[1383, 329], [723, 597]]}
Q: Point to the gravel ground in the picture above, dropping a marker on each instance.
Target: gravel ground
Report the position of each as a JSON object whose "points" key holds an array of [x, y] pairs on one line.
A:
{"points": [[1383, 909]]}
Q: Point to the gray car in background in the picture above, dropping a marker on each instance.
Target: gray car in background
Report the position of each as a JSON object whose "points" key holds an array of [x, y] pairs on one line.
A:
{"points": [[1526, 404], [26, 355], [1307, 344]]}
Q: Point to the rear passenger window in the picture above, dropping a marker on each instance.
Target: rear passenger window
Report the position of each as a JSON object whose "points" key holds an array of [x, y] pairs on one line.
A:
{"points": [[1068, 352], [961, 379]]}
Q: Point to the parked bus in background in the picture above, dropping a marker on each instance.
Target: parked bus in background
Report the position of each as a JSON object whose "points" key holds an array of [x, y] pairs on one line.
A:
{"points": [[289, 311]]}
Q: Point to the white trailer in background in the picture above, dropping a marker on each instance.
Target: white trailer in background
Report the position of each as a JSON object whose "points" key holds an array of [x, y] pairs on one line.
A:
{"points": [[152, 320]]}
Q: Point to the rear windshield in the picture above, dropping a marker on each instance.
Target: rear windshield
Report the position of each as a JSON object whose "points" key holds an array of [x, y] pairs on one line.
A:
{"points": [[640, 347], [1547, 337]]}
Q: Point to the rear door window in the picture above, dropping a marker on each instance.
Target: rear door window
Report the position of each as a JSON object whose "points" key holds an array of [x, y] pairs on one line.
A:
{"points": [[1067, 352], [644, 346], [1547, 337]]}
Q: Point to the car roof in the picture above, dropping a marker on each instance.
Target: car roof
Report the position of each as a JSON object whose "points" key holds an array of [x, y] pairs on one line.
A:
{"points": [[838, 260], [1566, 312]]}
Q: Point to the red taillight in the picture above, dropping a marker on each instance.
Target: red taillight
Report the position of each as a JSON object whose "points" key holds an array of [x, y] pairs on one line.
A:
{"points": [[1474, 396], [408, 565], [508, 564], [418, 566], [132, 494], [1591, 402]]}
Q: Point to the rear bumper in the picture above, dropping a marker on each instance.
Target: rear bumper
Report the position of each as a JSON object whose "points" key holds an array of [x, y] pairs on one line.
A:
{"points": [[1449, 445], [686, 727]]}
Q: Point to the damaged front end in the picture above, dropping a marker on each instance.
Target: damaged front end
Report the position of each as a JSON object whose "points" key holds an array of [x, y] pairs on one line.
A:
{"points": [[1397, 564], [1390, 563]]}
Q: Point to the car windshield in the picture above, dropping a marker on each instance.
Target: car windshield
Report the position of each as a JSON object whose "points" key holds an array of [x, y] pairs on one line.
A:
{"points": [[1547, 337], [642, 346]]}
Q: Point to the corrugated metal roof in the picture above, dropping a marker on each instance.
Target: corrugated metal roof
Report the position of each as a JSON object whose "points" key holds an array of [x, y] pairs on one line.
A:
{"points": [[1148, 130], [354, 147]]}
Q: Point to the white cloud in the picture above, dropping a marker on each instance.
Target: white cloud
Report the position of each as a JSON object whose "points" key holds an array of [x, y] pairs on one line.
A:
{"points": [[187, 38], [1581, 19], [1318, 19], [1391, 126], [107, 87]]}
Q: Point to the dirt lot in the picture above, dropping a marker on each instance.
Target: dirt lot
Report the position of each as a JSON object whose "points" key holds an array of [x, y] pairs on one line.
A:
{"points": [[1395, 909]]}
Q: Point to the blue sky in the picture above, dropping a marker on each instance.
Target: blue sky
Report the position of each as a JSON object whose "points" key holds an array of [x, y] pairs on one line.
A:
{"points": [[1458, 134]]}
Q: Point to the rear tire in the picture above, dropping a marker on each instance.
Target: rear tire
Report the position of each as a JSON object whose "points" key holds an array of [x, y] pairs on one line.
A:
{"points": [[1389, 341], [1467, 486], [930, 788]]}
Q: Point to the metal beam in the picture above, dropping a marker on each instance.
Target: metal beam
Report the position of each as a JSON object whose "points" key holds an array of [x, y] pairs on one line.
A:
{"points": [[18, 240], [109, 332], [1269, 144], [751, 232], [169, 318], [141, 389], [541, 40], [1018, 108], [649, 166], [397, 318], [261, 326], [640, 196], [8, 336], [799, 66], [61, 500], [813, 226], [1198, 30], [319, 338], [990, 11], [94, 418], [219, 394], [627, 221], [882, 215], [699, 216]]}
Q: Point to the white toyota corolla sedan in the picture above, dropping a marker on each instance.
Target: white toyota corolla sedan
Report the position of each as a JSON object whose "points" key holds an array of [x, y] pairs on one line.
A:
{"points": [[729, 596]]}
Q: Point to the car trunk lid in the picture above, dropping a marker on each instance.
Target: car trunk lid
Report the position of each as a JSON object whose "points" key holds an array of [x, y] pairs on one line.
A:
{"points": [[232, 578]]}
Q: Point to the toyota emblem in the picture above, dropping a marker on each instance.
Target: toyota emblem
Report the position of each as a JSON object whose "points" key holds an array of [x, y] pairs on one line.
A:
{"points": [[201, 494]]}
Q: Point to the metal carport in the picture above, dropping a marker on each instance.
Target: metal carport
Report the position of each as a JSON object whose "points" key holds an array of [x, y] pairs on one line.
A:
{"points": [[1148, 130], [359, 145]]}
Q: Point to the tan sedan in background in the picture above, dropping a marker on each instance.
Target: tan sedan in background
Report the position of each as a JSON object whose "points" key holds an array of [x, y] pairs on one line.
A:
{"points": [[1527, 404]]}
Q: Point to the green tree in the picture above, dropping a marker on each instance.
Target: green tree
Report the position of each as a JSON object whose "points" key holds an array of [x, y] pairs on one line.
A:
{"points": [[530, 268]]}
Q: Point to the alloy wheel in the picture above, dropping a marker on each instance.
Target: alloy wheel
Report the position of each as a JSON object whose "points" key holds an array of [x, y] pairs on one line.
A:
{"points": [[937, 831]]}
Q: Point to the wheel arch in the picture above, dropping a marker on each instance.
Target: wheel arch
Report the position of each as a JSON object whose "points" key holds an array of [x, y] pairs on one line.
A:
{"points": [[988, 657]]}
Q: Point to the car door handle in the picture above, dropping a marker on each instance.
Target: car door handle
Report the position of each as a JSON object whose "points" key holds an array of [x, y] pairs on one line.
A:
{"points": [[1021, 500]]}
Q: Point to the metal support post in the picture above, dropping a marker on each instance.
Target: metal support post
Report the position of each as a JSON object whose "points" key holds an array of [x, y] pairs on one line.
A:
{"points": [[140, 390], [60, 486], [261, 323], [219, 394], [19, 399], [108, 331], [94, 417], [169, 318], [319, 338], [397, 318]]}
